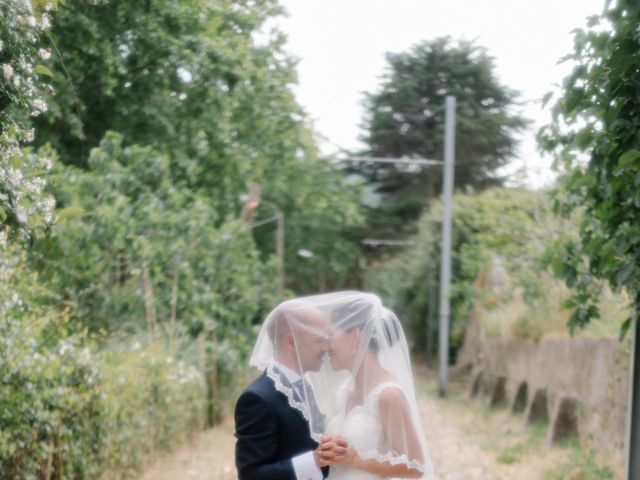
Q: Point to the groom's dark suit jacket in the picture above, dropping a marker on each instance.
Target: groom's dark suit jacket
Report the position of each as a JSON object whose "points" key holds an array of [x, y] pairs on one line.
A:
{"points": [[269, 433]]}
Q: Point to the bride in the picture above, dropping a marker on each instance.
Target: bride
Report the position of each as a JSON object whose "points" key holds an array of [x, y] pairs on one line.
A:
{"points": [[375, 431]]}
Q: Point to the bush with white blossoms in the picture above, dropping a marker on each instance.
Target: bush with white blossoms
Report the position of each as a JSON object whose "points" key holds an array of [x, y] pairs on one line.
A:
{"points": [[24, 205], [69, 410], [49, 393]]}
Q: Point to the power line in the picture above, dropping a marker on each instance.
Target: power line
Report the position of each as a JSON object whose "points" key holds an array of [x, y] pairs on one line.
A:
{"points": [[374, 242], [392, 160]]}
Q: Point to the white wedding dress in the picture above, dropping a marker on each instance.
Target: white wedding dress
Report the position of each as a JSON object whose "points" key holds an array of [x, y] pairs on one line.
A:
{"points": [[362, 428]]}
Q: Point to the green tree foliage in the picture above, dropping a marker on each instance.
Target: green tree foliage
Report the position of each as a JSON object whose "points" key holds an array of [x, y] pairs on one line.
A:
{"points": [[406, 118], [205, 85], [139, 219], [162, 114], [24, 206], [510, 225], [594, 134]]}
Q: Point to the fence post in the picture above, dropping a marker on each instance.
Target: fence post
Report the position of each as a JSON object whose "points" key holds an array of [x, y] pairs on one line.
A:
{"points": [[148, 295], [202, 365], [174, 302], [213, 376]]}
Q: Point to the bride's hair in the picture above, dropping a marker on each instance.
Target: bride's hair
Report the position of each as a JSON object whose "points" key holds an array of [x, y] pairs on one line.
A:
{"points": [[357, 315], [390, 327]]}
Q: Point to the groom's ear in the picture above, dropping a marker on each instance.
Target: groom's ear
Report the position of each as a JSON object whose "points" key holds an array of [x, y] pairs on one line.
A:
{"points": [[289, 341]]}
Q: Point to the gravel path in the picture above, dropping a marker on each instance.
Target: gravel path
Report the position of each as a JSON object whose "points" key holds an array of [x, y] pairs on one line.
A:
{"points": [[209, 456], [454, 455]]}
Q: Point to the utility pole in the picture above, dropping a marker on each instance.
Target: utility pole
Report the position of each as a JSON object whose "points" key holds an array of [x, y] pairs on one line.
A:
{"points": [[431, 310], [633, 456], [445, 265], [447, 200]]}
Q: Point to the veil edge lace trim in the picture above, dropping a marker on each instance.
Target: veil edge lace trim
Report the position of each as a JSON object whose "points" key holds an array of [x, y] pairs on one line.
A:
{"points": [[287, 391]]}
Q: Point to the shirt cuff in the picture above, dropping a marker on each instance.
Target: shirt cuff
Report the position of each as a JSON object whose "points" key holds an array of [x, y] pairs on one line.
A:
{"points": [[305, 467]]}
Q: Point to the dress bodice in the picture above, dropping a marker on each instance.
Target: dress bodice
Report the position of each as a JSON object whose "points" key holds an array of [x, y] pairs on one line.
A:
{"points": [[362, 428]]}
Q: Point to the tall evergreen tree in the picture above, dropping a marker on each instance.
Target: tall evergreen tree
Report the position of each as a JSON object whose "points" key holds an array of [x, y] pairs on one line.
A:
{"points": [[405, 118]]}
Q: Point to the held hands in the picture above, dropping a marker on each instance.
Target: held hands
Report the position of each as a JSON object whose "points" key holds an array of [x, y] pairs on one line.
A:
{"points": [[334, 449]]}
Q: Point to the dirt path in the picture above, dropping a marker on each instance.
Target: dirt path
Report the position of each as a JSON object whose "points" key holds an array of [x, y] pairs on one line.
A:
{"points": [[467, 441], [209, 456]]}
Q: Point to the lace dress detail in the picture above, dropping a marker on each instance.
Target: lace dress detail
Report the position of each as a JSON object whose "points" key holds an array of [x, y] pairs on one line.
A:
{"points": [[362, 428]]}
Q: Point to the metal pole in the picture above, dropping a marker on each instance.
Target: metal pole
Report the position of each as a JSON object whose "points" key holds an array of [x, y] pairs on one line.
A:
{"points": [[280, 250], [445, 265], [431, 311], [633, 457], [278, 216]]}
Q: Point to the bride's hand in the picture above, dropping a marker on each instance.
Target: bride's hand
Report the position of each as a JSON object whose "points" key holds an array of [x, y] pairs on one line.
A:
{"points": [[335, 449]]}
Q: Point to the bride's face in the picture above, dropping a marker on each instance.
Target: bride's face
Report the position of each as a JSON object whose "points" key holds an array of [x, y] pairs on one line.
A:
{"points": [[342, 347]]}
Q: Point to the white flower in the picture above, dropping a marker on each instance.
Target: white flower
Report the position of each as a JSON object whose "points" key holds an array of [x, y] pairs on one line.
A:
{"points": [[29, 135], [7, 71], [15, 176], [21, 215], [1, 45], [44, 54], [31, 21], [45, 22], [28, 6], [64, 347], [39, 106], [49, 205]]}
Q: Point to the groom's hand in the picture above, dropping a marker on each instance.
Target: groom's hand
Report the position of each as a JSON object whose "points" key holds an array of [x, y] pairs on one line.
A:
{"points": [[332, 449], [320, 462]]}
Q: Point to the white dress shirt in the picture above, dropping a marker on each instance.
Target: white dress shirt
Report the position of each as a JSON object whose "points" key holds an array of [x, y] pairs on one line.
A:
{"points": [[304, 465]]}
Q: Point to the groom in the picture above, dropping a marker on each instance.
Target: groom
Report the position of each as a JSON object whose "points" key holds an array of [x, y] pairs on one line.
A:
{"points": [[273, 438]]}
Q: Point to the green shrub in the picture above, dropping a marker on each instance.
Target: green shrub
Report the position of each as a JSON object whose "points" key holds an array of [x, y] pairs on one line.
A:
{"points": [[49, 396], [151, 401], [500, 270], [73, 410]]}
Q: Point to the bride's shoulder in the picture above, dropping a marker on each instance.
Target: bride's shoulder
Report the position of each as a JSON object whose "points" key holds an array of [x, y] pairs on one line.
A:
{"points": [[386, 392], [391, 394], [391, 402]]}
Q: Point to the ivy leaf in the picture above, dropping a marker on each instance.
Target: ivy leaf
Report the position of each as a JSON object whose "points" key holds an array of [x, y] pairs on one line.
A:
{"points": [[583, 138], [69, 212], [42, 70], [15, 162], [623, 274], [628, 157], [624, 328], [573, 99]]}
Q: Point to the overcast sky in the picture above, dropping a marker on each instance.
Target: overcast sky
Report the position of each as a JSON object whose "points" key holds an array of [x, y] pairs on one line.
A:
{"points": [[341, 45]]}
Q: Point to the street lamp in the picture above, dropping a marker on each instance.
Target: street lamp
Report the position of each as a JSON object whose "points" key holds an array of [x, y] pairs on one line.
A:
{"points": [[278, 216], [252, 201]]}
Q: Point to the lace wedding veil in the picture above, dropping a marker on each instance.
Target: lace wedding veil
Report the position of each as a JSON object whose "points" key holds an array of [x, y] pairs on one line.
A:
{"points": [[328, 354]]}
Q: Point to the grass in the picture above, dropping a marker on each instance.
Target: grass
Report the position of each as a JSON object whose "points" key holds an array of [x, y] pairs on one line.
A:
{"points": [[582, 465], [533, 441], [517, 451], [510, 317]]}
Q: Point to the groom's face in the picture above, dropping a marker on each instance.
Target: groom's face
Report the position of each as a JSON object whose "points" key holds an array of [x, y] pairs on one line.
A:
{"points": [[311, 342]]}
